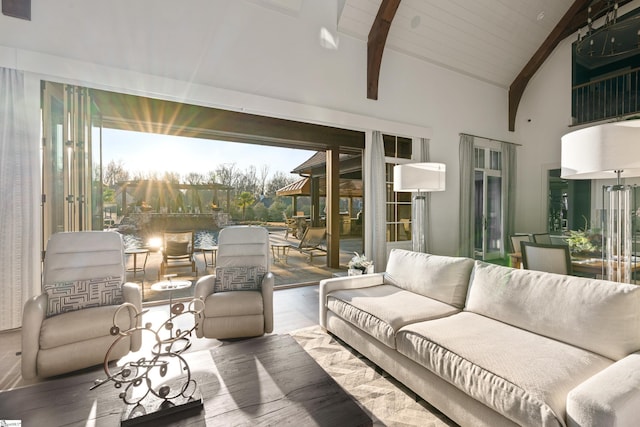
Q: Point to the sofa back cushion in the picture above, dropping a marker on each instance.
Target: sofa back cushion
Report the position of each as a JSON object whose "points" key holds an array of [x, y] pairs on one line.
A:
{"points": [[596, 315], [443, 278]]}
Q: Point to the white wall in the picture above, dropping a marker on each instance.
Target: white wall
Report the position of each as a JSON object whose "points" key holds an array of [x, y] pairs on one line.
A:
{"points": [[239, 55]]}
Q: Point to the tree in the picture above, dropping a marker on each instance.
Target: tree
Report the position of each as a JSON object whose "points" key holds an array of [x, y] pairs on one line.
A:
{"points": [[115, 173], [243, 200], [264, 174], [279, 180]]}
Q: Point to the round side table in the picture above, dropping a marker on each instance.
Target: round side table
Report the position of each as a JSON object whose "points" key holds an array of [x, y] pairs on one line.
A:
{"points": [[135, 252]]}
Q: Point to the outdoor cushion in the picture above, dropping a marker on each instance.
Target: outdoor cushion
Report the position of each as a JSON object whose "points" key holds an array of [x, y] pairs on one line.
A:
{"points": [[596, 315], [440, 277], [241, 278], [381, 310], [177, 248], [485, 359], [79, 294]]}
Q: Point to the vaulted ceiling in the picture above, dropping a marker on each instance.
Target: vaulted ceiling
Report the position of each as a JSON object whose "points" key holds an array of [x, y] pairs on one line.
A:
{"points": [[502, 42]]}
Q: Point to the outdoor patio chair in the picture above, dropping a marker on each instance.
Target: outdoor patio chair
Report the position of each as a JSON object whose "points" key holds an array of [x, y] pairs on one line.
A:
{"points": [[292, 226], [177, 251], [312, 243], [67, 327], [238, 298]]}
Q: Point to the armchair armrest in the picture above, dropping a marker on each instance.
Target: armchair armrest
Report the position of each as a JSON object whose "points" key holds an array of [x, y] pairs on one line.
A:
{"points": [[609, 398], [349, 282], [204, 288], [267, 300], [131, 293], [33, 315]]}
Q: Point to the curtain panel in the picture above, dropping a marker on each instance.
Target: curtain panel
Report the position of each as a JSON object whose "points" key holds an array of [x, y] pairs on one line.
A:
{"points": [[508, 194], [375, 195], [466, 218], [19, 181]]}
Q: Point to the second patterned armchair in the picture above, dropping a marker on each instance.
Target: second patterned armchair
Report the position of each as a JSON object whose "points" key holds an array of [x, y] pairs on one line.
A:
{"points": [[238, 298]]}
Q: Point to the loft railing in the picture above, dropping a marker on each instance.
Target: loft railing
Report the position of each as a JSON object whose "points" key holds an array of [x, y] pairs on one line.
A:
{"points": [[608, 97]]}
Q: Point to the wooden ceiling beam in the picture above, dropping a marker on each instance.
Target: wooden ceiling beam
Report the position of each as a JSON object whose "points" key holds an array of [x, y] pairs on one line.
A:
{"points": [[574, 19], [375, 44]]}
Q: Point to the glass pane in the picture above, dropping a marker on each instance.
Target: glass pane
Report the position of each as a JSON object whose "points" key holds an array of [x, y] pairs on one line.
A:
{"points": [[403, 197], [404, 148], [55, 196], [496, 160], [389, 145], [479, 210], [494, 213], [479, 158], [391, 232]]}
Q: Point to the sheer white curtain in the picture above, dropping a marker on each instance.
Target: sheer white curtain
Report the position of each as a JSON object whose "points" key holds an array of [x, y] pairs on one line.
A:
{"points": [[421, 154], [375, 198], [466, 219], [508, 194], [19, 181]]}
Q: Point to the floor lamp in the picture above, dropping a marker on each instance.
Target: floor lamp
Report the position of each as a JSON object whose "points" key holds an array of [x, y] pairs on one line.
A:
{"points": [[608, 151], [418, 178]]}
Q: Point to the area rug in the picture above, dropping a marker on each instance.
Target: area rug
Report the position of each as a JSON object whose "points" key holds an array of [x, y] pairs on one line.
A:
{"points": [[386, 400]]}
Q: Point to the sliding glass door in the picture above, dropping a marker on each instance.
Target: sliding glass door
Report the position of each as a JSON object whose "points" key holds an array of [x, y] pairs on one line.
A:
{"points": [[71, 184]]}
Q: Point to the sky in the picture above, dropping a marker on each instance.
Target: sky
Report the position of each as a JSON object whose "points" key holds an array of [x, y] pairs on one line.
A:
{"points": [[147, 152]]}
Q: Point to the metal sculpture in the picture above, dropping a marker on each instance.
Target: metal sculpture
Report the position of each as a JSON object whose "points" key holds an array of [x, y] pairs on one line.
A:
{"points": [[147, 390]]}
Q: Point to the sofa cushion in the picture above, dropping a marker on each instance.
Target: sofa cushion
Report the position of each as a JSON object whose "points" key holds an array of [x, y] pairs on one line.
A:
{"points": [[80, 294], [381, 310], [82, 325], [440, 277], [229, 304], [524, 376], [596, 315]]}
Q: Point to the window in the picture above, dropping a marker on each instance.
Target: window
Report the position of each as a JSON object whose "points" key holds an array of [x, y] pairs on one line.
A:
{"points": [[397, 150]]}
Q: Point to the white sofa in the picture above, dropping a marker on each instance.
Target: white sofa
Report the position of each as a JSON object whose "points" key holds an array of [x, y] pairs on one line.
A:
{"points": [[491, 345]]}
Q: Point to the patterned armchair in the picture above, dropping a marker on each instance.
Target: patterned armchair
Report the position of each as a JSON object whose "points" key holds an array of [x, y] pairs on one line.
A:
{"points": [[238, 298], [67, 327]]}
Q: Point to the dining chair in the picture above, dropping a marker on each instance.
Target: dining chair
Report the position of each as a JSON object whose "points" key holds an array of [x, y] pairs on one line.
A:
{"points": [[516, 239], [549, 258], [543, 238]]}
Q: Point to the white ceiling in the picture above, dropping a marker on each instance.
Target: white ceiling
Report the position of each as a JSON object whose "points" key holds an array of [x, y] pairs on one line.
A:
{"points": [[491, 40]]}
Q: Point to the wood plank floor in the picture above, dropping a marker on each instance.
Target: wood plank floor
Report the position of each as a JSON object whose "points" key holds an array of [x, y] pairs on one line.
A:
{"points": [[294, 308]]}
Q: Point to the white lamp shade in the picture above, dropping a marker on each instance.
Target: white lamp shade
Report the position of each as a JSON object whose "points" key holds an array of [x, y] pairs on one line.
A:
{"points": [[598, 151], [419, 177]]}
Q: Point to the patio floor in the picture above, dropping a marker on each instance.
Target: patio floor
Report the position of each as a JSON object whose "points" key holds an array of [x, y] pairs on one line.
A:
{"points": [[296, 270]]}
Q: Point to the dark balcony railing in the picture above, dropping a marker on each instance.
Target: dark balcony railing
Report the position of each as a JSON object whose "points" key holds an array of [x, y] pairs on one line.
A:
{"points": [[605, 98]]}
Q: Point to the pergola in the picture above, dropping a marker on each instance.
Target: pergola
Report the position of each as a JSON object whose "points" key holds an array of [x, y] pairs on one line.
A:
{"points": [[165, 192]]}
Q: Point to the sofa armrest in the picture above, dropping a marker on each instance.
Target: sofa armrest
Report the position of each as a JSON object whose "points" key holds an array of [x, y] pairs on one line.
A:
{"points": [[132, 294], [268, 281], [348, 282], [34, 313], [609, 398]]}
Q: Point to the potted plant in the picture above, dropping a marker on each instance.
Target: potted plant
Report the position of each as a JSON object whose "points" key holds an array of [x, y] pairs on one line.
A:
{"points": [[585, 243], [359, 264]]}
